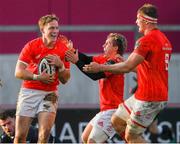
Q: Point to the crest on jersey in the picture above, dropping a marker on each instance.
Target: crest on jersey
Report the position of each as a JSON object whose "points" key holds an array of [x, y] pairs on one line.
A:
{"points": [[44, 64]]}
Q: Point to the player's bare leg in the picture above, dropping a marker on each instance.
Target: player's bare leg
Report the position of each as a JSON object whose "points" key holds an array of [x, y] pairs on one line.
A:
{"points": [[22, 128], [45, 122], [86, 133], [119, 125], [134, 138], [91, 141]]}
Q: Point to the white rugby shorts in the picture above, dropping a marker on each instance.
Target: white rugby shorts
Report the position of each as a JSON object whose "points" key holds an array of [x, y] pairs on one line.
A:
{"points": [[30, 102], [102, 120], [139, 114]]}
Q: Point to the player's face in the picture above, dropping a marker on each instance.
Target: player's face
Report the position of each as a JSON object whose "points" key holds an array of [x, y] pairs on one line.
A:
{"points": [[140, 23], [50, 32], [8, 126], [109, 49]]}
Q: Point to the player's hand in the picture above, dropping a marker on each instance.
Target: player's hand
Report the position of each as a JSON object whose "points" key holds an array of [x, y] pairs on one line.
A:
{"points": [[72, 56], [93, 67], [70, 44], [63, 39], [46, 78], [54, 60]]}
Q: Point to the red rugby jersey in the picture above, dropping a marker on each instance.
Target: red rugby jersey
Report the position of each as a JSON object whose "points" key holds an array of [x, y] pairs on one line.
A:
{"points": [[111, 88], [152, 73], [32, 53]]}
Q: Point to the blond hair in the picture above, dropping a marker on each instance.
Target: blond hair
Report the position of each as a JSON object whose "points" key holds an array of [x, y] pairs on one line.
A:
{"points": [[47, 19]]}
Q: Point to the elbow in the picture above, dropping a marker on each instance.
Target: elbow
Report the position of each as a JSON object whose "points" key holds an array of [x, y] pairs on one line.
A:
{"points": [[18, 75], [64, 81]]}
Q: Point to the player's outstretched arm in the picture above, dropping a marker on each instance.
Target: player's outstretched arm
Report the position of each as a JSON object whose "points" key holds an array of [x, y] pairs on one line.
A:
{"points": [[80, 59], [124, 67]]}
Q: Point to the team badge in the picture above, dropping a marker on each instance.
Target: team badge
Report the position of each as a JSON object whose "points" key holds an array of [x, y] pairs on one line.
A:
{"points": [[44, 64]]}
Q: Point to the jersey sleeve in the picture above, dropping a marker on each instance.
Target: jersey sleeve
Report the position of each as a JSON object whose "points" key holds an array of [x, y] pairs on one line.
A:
{"points": [[26, 54], [99, 59], [84, 59], [142, 47]]}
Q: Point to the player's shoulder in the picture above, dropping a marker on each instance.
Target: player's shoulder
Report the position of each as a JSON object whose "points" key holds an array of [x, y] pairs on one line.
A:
{"points": [[34, 42], [99, 58], [146, 40], [152, 36], [115, 59], [61, 46]]}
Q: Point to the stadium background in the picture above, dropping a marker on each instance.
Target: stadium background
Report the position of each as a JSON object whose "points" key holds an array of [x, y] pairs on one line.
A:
{"points": [[87, 23]]}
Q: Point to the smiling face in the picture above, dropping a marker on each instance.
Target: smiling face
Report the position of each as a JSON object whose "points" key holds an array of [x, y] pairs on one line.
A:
{"points": [[8, 126], [50, 33]]}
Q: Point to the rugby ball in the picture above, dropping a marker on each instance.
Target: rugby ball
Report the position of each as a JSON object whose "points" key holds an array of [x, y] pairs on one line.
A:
{"points": [[44, 64]]}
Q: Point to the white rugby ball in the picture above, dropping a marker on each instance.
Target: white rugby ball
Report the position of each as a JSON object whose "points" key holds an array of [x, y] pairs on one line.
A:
{"points": [[43, 64]]}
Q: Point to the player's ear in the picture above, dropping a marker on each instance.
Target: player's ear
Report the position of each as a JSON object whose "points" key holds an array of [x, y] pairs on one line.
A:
{"points": [[42, 30], [116, 48]]}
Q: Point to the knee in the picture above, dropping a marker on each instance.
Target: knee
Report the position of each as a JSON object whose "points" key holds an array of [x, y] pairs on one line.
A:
{"points": [[118, 124], [131, 137], [114, 120], [128, 137]]}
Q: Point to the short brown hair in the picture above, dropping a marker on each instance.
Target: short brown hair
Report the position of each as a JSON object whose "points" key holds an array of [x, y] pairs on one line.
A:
{"points": [[149, 10], [47, 19], [6, 113], [120, 41]]}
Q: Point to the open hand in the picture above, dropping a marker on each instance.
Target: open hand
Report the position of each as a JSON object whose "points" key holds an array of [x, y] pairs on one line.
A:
{"points": [[72, 56], [93, 67]]}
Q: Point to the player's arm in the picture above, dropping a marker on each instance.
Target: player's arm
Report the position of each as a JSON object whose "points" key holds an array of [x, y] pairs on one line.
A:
{"points": [[80, 59], [124, 67], [63, 72], [22, 73], [64, 75], [84, 59], [135, 70]]}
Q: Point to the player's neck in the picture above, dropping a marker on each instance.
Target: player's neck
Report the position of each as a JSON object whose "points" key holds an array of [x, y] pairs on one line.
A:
{"points": [[150, 28], [113, 55], [48, 44]]}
